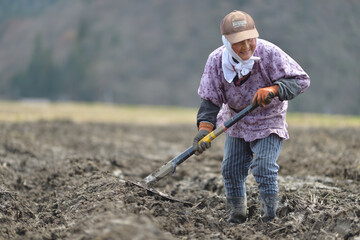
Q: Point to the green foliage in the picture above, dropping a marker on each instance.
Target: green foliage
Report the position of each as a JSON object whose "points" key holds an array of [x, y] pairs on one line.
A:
{"points": [[71, 81], [76, 79], [41, 78]]}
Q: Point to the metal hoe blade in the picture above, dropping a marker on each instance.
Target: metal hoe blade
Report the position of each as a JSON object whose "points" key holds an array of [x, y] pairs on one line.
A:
{"points": [[152, 191], [159, 173]]}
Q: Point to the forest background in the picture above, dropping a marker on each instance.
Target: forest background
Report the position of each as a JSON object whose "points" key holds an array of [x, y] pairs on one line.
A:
{"points": [[153, 52]]}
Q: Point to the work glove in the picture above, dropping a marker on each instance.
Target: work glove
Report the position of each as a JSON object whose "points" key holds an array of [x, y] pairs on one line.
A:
{"points": [[263, 96], [204, 129]]}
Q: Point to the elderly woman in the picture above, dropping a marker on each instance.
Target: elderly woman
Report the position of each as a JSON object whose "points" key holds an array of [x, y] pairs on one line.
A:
{"points": [[245, 70]]}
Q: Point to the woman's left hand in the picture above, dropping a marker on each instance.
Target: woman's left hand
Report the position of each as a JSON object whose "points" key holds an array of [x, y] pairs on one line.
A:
{"points": [[263, 96]]}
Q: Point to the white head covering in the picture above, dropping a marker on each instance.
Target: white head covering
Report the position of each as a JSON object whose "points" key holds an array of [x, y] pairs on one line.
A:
{"points": [[242, 68]]}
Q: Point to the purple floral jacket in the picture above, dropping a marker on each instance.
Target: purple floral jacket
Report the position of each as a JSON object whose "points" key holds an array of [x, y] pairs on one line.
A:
{"points": [[274, 65]]}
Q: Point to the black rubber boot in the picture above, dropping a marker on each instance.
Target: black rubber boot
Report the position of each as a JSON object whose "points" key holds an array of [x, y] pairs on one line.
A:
{"points": [[268, 206], [237, 207]]}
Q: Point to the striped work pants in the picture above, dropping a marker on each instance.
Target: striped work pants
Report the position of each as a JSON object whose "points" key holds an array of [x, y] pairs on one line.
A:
{"points": [[260, 156]]}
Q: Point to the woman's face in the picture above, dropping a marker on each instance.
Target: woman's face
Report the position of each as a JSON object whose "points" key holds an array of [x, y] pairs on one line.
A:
{"points": [[245, 49]]}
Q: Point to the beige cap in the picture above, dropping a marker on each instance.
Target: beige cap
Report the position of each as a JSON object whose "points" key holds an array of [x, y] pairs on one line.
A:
{"points": [[238, 26]]}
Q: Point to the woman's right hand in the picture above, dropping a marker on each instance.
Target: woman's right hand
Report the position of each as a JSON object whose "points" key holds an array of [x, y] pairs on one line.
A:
{"points": [[202, 146]]}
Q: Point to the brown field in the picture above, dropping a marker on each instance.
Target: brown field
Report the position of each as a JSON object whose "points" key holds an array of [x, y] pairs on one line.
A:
{"points": [[67, 179]]}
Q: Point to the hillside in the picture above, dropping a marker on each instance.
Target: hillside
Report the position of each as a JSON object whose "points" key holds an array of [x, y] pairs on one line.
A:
{"points": [[153, 52]]}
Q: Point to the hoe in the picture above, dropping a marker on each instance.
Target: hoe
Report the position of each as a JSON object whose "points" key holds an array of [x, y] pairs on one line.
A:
{"points": [[170, 167]]}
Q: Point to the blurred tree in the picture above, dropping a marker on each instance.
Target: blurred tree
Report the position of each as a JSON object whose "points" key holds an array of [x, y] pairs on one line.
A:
{"points": [[41, 78], [78, 84]]}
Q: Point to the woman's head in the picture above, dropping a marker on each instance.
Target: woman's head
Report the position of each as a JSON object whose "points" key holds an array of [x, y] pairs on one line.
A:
{"points": [[239, 29]]}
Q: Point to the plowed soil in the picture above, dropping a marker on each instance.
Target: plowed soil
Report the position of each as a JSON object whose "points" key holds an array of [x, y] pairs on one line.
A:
{"points": [[66, 180]]}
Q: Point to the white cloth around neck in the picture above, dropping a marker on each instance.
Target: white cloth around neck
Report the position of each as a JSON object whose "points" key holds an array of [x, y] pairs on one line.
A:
{"points": [[242, 67]]}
